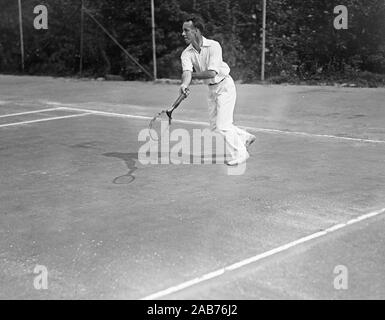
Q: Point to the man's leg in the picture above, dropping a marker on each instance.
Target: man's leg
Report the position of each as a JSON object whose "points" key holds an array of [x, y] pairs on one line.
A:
{"points": [[244, 135], [225, 103], [220, 150], [212, 105]]}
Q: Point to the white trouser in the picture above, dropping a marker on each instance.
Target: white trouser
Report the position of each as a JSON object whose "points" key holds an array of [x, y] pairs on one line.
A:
{"points": [[221, 103]]}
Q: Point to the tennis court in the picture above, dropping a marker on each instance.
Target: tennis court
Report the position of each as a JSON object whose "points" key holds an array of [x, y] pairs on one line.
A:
{"points": [[312, 197]]}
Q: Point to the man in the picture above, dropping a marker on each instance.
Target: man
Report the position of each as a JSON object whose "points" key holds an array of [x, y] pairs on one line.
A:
{"points": [[205, 56]]}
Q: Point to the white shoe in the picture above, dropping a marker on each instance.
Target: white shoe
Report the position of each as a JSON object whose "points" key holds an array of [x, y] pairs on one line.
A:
{"points": [[238, 160], [250, 141]]}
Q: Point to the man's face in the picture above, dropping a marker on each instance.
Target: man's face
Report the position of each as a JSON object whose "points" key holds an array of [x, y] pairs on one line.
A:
{"points": [[189, 32]]}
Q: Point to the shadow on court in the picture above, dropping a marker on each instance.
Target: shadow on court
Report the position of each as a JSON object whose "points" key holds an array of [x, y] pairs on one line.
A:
{"points": [[131, 161]]}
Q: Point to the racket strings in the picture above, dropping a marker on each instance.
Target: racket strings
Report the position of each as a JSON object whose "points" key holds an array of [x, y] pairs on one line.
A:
{"points": [[159, 125]]}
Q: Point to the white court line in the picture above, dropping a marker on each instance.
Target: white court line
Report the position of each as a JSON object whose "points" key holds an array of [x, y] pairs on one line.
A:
{"points": [[259, 257], [65, 106], [45, 119], [29, 112], [69, 106], [313, 135]]}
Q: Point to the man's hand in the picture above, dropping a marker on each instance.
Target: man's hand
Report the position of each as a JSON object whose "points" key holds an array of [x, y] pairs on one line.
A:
{"points": [[184, 89]]}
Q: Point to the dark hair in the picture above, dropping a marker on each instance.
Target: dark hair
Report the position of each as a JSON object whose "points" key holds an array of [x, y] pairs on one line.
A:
{"points": [[197, 22]]}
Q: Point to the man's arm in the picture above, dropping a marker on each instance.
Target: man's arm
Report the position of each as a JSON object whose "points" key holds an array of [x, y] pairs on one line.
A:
{"points": [[186, 80], [208, 74], [187, 76]]}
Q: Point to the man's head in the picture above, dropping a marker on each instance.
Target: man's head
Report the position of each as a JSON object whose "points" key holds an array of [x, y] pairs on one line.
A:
{"points": [[192, 29]]}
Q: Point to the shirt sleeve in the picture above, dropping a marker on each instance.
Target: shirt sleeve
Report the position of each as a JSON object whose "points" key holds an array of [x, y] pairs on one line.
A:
{"points": [[186, 62], [215, 57]]}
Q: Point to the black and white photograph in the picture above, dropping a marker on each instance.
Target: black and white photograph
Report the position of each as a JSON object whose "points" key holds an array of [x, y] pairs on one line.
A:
{"points": [[192, 150]]}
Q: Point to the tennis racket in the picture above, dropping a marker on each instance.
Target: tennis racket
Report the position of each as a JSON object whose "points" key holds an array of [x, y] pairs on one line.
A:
{"points": [[162, 121]]}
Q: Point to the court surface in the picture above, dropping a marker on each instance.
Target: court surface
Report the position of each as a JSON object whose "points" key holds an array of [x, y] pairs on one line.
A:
{"points": [[76, 200]]}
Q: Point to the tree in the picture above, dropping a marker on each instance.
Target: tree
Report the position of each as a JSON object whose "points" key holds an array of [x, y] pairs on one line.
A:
{"points": [[301, 40]]}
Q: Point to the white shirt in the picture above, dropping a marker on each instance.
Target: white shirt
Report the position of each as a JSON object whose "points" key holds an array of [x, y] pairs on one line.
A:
{"points": [[210, 58]]}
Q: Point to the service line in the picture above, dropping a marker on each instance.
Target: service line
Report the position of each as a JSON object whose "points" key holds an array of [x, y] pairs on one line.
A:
{"points": [[74, 107]]}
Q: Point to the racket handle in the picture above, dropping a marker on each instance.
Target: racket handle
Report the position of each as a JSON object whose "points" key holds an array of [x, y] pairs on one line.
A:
{"points": [[176, 104], [181, 97], [169, 112]]}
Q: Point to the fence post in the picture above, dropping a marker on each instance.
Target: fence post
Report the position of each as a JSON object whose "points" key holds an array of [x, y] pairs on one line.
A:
{"points": [[153, 38], [21, 36], [81, 38], [263, 41]]}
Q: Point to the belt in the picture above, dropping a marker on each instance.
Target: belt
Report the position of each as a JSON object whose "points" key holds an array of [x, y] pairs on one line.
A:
{"points": [[214, 84]]}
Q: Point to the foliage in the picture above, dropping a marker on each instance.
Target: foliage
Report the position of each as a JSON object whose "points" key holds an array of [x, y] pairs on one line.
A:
{"points": [[302, 43]]}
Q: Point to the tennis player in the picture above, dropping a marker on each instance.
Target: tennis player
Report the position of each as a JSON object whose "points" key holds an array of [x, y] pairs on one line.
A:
{"points": [[202, 59]]}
